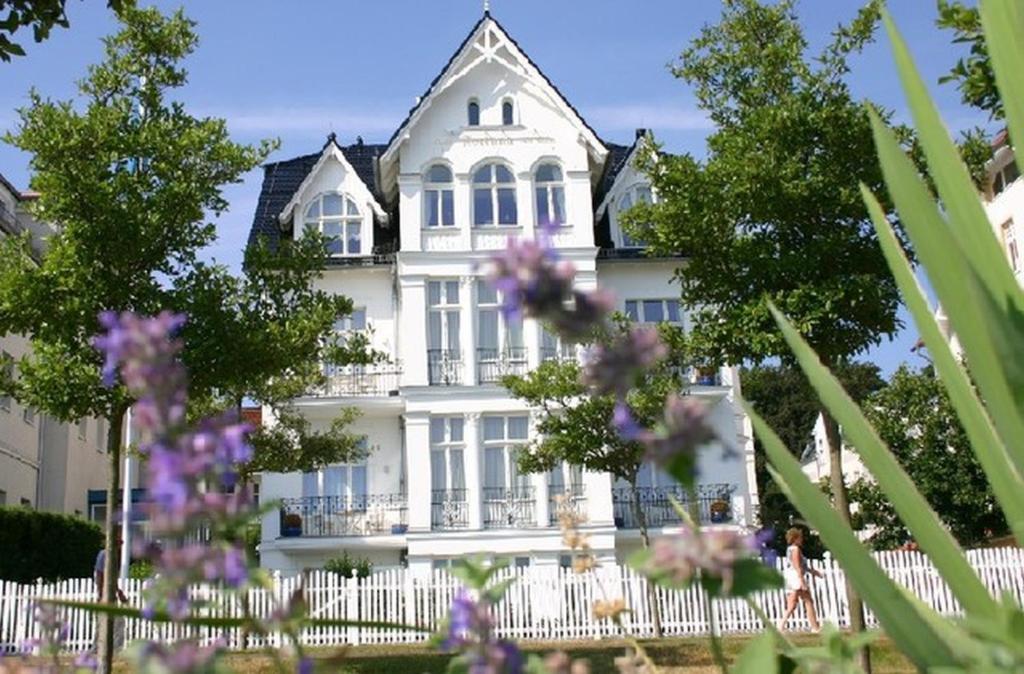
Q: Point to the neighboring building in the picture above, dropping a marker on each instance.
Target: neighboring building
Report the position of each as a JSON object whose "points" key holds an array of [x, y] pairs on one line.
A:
{"points": [[491, 150], [817, 465], [1004, 202], [44, 464]]}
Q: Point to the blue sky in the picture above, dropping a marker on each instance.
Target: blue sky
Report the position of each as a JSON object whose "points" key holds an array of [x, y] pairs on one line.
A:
{"points": [[298, 70]]}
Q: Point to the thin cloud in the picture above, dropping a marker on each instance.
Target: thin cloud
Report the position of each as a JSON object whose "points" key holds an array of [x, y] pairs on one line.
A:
{"points": [[660, 117]]}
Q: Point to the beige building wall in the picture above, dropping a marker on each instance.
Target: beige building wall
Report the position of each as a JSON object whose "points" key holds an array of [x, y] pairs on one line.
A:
{"points": [[44, 464]]}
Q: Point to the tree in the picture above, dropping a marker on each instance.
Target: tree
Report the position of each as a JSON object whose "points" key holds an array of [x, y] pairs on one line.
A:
{"points": [[915, 418], [130, 177], [773, 214], [972, 74], [785, 399], [41, 16], [575, 427]]}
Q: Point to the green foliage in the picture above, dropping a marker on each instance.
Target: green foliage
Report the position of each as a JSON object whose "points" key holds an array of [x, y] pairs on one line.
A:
{"points": [[39, 15], [347, 566], [575, 426], [292, 444], [46, 545], [784, 397], [141, 569], [973, 73], [771, 213], [914, 416]]}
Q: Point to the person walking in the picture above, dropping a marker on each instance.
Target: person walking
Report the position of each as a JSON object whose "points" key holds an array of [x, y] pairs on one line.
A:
{"points": [[797, 575], [99, 576]]}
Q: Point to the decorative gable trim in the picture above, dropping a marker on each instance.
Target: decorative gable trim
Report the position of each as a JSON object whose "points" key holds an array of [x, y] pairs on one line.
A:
{"points": [[331, 151], [617, 181], [482, 45]]}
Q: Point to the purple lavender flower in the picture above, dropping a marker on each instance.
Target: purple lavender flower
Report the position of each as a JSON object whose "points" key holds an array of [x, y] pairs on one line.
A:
{"points": [[613, 368], [470, 631], [305, 666], [86, 661], [182, 657], [534, 282], [714, 552], [685, 429]]}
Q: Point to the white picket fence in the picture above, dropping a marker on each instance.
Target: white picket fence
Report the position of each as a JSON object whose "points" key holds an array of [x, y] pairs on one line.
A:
{"points": [[545, 603]]}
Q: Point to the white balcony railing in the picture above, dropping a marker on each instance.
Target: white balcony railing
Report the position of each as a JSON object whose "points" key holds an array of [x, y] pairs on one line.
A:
{"points": [[377, 379]]}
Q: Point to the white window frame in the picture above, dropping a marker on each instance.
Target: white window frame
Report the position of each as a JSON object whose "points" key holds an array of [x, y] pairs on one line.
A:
{"points": [[510, 447], [348, 493], [445, 307], [511, 120], [350, 215], [469, 112], [999, 181], [442, 189], [546, 190], [640, 313], [562, 350], [449, 443], [505, 326], [494, 187], [628, 199], [28, 415]]}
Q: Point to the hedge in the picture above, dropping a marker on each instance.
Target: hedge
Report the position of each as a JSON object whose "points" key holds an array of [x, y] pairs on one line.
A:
{"points": [[51, 546]]}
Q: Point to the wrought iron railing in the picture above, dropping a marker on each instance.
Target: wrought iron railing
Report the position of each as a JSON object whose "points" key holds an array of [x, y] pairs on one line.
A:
{"points": [[493, 364], [714, 503], [449, 509], [508, 508], [358, 515], [444, 367], [570, 499], [376, 379], [565, 353]]}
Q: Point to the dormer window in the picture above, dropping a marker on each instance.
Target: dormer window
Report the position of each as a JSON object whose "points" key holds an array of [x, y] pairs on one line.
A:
{"points": [[550, 195], [494, 196], [473, 113], [336, 216], [438, 197], [507, 113], [638, 194]]}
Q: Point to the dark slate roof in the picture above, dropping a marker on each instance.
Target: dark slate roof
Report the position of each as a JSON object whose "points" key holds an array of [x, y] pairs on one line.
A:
{"points": [[281, 179], [617, 156], [451, 59]]}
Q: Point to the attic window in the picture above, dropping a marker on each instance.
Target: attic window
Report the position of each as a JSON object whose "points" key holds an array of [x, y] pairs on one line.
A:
{"points": [[473, 113], [507, 113], [336, 216]]}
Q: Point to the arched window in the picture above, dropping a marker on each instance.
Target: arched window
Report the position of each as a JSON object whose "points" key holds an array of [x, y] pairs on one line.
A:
{"points": [[550, 195], [337, 217], [473, 113], [438, 197], [507, 113], [638, 194], [494, 196]]}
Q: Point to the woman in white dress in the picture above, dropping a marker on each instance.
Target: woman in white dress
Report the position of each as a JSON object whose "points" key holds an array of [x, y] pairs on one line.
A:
{"points": [[797, 575]]}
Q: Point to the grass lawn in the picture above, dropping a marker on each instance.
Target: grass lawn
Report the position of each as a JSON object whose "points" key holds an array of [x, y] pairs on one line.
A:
{"points": [[675, 656]]}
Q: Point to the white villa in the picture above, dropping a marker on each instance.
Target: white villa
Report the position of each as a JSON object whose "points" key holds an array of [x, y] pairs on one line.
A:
{"points": [[492, 149]]}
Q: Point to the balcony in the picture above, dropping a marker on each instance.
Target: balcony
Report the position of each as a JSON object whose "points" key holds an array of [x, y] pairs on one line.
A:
{"points": [[449, 509], [570, 500], [444, 367], [563, 354], [493, 364], [374, 380], [509, 508], [360, 515], [713, 504]]}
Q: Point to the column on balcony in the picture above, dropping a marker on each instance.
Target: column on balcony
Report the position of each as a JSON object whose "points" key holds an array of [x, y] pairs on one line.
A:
{"points": [[474, 476], [417, 452], [597, 488], [467, 329], [531, 337], [542, 505], [412, 339], [410, 210]]}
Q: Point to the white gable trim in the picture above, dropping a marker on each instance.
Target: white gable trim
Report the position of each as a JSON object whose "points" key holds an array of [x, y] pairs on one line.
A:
{"points": [[493, 39], [613, 188], [331, 151]]}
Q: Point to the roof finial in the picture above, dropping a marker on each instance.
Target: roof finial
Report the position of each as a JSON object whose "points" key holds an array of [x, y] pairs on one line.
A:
{"points": [[487, 7]]}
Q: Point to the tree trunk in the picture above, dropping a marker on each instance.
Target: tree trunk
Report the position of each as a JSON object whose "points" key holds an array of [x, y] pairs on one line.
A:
{"points": [[105, 647], [842, 506], [645, 540]]}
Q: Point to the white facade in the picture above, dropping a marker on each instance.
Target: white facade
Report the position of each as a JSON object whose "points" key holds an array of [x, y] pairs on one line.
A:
{"points": [[440, 480], [44, 464], [1004, 204]]}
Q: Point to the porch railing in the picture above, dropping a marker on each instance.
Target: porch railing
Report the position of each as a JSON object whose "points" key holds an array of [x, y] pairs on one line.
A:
{"points": [[449, 509], [493, 364], [509, 508], [357, 515], [444, 367], [378, 379], [714, 505]]}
